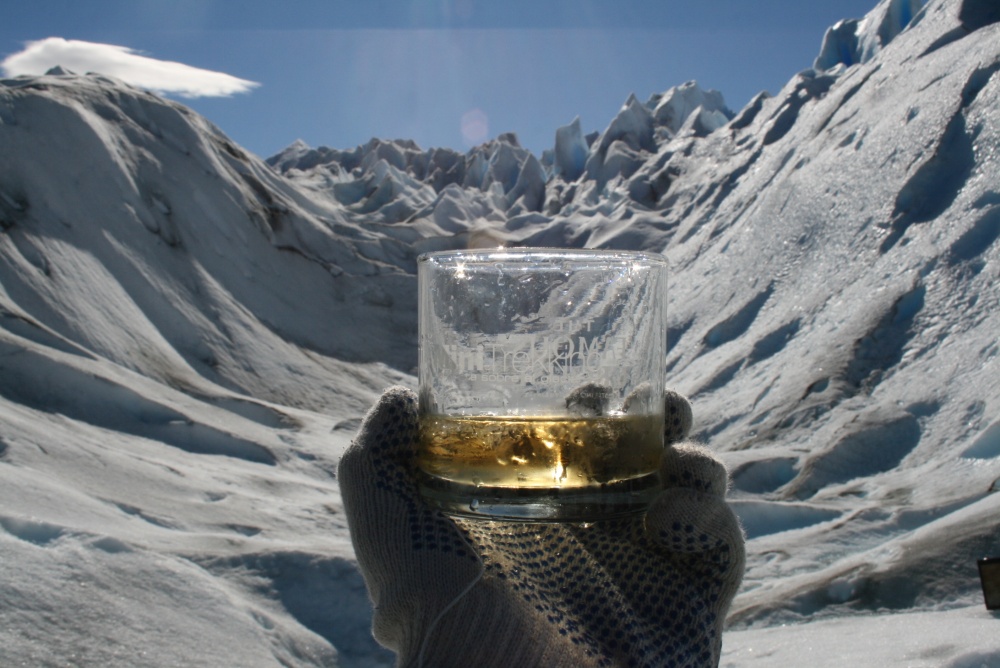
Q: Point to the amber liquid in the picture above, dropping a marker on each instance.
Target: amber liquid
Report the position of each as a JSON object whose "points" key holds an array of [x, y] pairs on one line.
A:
{"points": [[540, 452]]}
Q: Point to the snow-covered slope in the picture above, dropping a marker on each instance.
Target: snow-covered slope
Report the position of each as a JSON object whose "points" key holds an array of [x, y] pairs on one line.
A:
{"points": [[189, 335]]}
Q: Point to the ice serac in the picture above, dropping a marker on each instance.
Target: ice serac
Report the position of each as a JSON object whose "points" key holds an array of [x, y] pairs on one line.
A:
{"points": [[571, 151], [528, 193], [633, 125], [840, 46], [703, 122], [489, 173], [291, 154], [624, 145], [672, 109], [853, 41], [503, 165]]}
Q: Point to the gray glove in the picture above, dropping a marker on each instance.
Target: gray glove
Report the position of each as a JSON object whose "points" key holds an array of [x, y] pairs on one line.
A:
{"points": [[650, 590]]}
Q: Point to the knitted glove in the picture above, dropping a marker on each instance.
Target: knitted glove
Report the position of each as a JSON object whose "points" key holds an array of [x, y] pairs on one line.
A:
{"points": [[648, 590]]}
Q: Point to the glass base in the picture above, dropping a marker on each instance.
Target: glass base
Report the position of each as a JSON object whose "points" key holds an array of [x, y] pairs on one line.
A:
{"points": [[580, 504]]}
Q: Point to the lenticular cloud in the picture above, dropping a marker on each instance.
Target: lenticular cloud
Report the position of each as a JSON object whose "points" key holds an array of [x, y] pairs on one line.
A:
{"points": [[123, 63]]}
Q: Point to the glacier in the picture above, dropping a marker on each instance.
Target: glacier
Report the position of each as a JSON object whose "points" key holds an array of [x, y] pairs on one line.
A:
{"points": [[190, 334]]}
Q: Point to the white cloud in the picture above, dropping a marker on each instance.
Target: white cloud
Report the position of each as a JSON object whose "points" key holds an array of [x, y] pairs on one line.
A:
{"points": [[123, 63]]}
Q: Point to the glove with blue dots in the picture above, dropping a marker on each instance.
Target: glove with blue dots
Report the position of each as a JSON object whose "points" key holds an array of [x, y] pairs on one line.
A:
{"points": [[649, 590]]}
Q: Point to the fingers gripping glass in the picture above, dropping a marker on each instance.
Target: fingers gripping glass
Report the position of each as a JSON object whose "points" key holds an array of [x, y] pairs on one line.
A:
{"points": [[541, 382]]}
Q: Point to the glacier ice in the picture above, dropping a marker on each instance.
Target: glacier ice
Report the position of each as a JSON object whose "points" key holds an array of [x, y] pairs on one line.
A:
{"points": [[674, 108], [189, 334], [855, 41], [570, 151]]}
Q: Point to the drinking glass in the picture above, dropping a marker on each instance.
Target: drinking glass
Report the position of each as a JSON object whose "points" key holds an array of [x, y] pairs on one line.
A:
{"points": [[541, 381]]}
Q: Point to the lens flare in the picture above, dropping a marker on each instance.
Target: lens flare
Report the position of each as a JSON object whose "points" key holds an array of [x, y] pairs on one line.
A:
{"points": [[475, 127]]}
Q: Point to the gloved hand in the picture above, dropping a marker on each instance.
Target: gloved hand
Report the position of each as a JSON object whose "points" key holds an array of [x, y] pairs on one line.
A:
{"points": [[648, 590]]}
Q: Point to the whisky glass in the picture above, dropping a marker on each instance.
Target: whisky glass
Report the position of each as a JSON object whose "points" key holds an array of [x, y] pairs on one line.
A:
{"points": [[541, 381]]}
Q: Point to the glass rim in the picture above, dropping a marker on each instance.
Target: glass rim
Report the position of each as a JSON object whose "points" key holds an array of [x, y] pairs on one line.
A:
{"points": [[534, 253]]}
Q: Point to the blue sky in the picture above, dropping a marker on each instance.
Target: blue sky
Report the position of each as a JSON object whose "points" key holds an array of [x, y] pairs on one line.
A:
{"points": [[336, 73]]}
